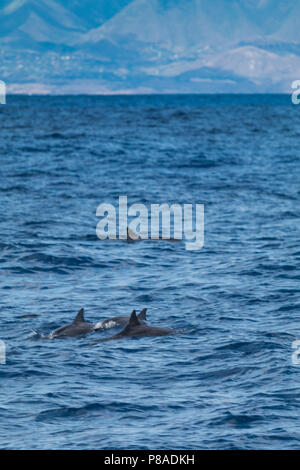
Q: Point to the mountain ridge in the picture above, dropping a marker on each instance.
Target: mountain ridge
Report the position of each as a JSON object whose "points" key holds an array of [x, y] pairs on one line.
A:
{"points": [[149, 46]]}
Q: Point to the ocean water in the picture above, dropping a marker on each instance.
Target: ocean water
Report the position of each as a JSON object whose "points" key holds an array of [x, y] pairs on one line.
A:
{"points": [[227, 381]]}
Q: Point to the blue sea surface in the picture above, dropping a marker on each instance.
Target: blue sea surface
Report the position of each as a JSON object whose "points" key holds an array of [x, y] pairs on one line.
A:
{"points": [[227, 380]]}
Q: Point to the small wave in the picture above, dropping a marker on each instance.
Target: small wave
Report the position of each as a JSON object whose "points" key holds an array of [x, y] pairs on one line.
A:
{"points": [[59, 260], [249, 347], [93, 409], [29, 315], [238, 420], [33, 334]]}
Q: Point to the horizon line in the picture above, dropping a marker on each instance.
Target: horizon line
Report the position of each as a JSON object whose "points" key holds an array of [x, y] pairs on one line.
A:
{"points": [[149, 94]]}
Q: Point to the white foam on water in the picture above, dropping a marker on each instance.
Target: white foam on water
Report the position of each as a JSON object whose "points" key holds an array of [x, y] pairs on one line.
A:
{"points": [[104, 325]]}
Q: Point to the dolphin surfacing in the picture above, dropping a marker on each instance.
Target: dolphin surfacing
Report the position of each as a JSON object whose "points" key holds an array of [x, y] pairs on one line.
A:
{"points": [[78, 327], [119, 321], [134, 237], [135, 328]]}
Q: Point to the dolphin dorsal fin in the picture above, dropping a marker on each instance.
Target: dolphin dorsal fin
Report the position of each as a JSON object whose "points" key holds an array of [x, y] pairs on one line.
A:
{"points": [[142, 315], [131, 236], [133, 320], [79, 317]]}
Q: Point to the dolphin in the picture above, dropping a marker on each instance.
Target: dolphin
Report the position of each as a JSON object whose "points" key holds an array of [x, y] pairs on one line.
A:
{"points": [[78, 327], [119, 321], [134, 237], [131, 236], [135, 329]]}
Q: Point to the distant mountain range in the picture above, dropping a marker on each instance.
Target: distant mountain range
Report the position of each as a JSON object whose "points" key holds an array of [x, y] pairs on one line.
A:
{"points": [[149, 46]]}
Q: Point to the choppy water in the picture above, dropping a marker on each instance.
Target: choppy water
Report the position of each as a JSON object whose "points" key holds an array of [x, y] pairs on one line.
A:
{"points": [[229, 381]]}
